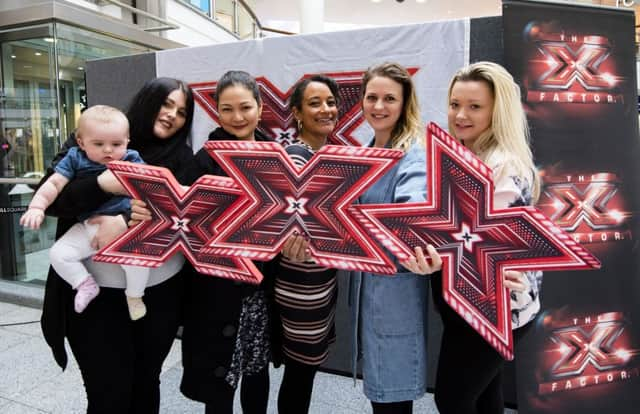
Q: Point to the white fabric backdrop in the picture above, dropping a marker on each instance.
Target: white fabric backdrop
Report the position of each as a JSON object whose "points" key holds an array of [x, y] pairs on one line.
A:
{"points": [[437, 49]]}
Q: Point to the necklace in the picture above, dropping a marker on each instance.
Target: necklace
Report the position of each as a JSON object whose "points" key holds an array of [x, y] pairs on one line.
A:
{"points": [[309, 147]]}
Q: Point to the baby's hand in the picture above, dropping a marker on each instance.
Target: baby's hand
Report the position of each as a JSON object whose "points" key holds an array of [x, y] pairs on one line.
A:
{"points": [[32, 218]]}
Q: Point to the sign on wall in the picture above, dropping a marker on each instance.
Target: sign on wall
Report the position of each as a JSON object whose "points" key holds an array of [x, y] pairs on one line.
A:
{"points": [[576, 67]]}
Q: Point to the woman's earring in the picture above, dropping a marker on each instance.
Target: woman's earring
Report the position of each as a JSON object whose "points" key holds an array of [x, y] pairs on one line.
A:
{"points": [[299, 126]]}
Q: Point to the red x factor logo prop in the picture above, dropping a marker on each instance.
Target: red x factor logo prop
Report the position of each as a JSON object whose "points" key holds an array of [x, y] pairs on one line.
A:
{"points": [[477, 242], [182, 221], [314, 200], [277, 120]]}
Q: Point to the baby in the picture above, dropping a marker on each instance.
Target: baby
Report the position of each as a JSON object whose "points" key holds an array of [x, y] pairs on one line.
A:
{"points": [[102, 136]]}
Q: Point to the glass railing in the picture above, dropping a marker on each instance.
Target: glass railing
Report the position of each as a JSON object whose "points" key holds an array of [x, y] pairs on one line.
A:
{"points": [[235, 16]]}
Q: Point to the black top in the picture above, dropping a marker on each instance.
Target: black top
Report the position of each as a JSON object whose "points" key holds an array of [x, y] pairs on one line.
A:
{"points": [[81, 195], [204, 164], [212, 308]]}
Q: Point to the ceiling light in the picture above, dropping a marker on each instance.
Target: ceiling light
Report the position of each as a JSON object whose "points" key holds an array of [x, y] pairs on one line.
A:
{"points": [[80, 68], [376, 1], [13, 56], [38, 54], [421, 1], [48, 39]]}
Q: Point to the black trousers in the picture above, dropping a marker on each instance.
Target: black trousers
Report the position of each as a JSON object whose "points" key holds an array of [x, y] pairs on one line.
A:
{"points": [[120, 360], [254, 395], [296, 388], [469, 376]]}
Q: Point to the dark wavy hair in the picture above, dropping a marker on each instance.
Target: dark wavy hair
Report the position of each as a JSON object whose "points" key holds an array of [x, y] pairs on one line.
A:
{"points": [[238, 78], [142, 112], [301, 86]]}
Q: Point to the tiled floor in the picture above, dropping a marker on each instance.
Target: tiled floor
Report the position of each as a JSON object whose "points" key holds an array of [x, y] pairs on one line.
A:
{"points": [[31, 382]]}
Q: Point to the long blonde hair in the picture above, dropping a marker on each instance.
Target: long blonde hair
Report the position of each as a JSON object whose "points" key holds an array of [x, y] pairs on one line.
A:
{"points": [[507, 138], [409, 128]]}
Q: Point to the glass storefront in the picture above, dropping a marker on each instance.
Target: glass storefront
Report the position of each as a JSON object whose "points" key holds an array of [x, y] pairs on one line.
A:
{"points": [[42, 93]]}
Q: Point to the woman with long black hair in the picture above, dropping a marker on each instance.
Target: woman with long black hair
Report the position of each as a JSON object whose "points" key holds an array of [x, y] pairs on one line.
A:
{"points": [[120, 360]]}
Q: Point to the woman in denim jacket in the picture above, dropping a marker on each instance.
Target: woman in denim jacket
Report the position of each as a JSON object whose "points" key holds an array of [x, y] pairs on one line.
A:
{"points": [[390, 313]]}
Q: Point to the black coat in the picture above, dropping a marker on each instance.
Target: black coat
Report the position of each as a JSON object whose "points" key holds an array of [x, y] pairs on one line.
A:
{"points": [[213, 306]]}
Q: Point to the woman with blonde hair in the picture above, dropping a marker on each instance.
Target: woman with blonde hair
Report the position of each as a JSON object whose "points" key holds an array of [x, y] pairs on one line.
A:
{"points": [[486, 115], [390, 313]]}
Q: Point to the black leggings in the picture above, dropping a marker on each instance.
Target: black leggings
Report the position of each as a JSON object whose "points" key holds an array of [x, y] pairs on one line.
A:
{"points": [[469, 376], [296, 388], [400, 407], [254, 395], [120, 360]]}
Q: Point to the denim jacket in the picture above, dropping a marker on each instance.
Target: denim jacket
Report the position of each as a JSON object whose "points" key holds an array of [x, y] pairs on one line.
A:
{"points": [[389, 313]]}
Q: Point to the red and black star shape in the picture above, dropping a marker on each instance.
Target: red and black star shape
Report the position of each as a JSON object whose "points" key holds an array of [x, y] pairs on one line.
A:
{"points": [[314, 200], [182, 220], [477, 242], [277, 120]]}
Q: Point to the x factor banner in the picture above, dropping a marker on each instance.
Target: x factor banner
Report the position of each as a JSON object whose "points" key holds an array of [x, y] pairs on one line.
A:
{"points": [[577, 69]]}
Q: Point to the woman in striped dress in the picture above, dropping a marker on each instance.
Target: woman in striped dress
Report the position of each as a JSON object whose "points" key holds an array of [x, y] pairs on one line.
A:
{"points": [[305, 293]]}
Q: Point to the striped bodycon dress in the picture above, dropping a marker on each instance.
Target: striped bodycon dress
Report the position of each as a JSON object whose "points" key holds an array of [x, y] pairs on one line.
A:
{"points": [[305, 295]]}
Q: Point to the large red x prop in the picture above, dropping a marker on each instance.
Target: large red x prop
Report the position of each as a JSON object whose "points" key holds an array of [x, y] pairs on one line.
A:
{"points": [[182, 220], [313, 200], [476, 241]]}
